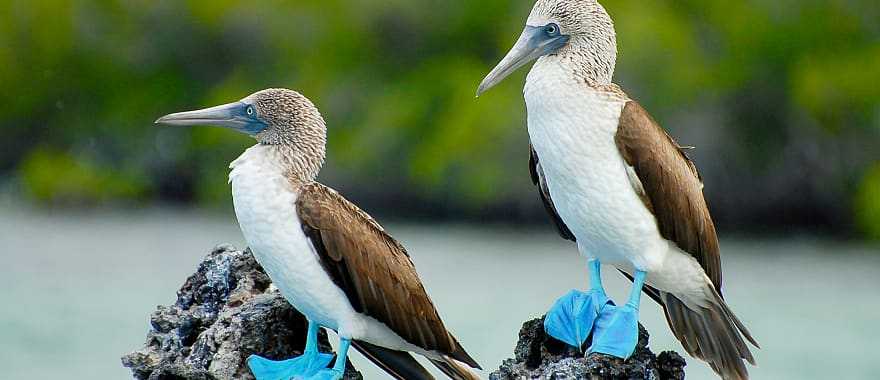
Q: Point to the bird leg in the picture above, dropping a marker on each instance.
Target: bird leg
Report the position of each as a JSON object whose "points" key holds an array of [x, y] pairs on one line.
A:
{"points": [[338, 369], [573, 315], [310, 363], [617, 329]]}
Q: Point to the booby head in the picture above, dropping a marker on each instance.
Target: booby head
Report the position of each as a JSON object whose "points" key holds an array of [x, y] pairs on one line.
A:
{"points": [[275, 117], [579, 33]]}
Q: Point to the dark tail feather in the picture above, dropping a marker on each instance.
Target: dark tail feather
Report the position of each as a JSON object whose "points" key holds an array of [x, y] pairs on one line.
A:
{"points": [[454, 370], [713, 334], [461, 355], [400, 365], [455, 364]]}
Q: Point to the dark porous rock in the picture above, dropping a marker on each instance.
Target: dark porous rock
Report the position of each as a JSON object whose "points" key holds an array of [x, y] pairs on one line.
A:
{"points": [[539, 356], [224, 312]]}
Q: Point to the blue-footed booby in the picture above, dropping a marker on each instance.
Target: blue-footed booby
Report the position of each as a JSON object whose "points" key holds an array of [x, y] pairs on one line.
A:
{"points": [[329, 259], [620, 187]]}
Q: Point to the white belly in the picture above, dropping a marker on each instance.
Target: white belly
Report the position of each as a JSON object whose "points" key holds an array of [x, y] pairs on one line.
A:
{"points": [[572, 128], [265, 207]]}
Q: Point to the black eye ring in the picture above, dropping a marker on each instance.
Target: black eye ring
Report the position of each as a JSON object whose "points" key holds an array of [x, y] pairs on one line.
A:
{"points": [[250, 110], [551, 30]]}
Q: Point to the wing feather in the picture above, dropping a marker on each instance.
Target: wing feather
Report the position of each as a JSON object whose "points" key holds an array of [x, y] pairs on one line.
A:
{"points": [[373, 269], [672, 190], [670, 187]]}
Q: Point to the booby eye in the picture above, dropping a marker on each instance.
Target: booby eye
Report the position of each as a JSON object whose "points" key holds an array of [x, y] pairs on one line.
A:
{"points": [[552, 30], [250, 111]]}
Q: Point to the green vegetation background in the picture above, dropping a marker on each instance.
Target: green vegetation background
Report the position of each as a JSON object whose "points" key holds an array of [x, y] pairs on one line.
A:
{"points": [[780, 97]]}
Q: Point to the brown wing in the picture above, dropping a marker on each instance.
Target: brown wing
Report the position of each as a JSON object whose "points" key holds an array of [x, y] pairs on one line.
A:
{"points": [[373, 270], [537, 174], [673, 189]]}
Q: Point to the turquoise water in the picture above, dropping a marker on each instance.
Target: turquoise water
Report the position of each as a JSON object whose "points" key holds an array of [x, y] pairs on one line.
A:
{"points": [[77, 290]]}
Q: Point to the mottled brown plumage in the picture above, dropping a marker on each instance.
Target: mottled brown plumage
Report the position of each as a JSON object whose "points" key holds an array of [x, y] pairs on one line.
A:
{"points": [[373, 270]]}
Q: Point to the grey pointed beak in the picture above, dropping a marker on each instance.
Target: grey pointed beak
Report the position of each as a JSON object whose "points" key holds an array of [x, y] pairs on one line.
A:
{"points": [[532, 43], [239, 116], [227, 115]]}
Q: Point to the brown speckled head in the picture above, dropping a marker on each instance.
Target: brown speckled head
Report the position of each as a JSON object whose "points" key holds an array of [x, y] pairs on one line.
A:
{"points": [[574, 17], [276, 117], [578, 34], [294, 125], [593, 42], [290, 118]]}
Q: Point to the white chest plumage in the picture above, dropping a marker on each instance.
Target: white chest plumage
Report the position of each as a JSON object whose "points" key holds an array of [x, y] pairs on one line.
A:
{"points": [[572, 128], [265, 205]]}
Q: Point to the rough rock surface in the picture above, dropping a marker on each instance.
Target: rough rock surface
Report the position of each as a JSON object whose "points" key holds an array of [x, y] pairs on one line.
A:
{"points": [[539, 356], [224, 312]]}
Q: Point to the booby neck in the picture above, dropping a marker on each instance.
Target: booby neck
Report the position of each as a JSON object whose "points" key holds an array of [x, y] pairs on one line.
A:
{"points": [[299, 166], [582, 63], [292, 135], [558, 81]]}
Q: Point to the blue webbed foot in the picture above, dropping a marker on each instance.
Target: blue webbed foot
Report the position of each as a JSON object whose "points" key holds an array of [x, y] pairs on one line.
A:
{"points": [[328, 374], [617, 331], [573, 315], [338, 369], [301, 367]]}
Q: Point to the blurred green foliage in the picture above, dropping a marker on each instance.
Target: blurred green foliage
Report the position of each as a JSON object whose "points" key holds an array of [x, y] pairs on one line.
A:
{"points": [[57, 176], [867, 207], [82, 82]]}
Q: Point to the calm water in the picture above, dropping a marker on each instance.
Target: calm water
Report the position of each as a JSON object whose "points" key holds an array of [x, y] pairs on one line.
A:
{"points": [[77, 290]]}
